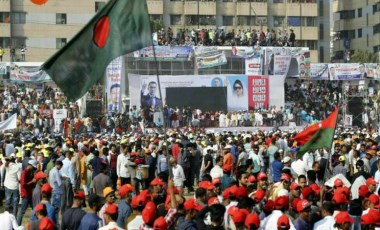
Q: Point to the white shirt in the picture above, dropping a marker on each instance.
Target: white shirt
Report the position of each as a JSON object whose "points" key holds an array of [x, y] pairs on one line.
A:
{"points": [[308, 160], [8, 221], [135, 223], [121, 166], [178, 176], [270, 222], [299, 167], [216, 172], [111, 226], [326, 223], [226, 219], [12, 176]]}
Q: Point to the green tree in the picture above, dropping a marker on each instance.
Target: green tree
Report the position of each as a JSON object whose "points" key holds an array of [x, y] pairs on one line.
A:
{"points": [[156, 24], [364, 56]]}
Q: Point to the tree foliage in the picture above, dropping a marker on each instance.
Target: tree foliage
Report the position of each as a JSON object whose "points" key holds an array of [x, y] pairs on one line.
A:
{"points": [[364, 56], [156, 24]]}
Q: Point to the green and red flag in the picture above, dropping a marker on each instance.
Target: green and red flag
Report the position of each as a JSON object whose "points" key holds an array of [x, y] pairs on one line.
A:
{"points": [[120, 27], [318, 135]]}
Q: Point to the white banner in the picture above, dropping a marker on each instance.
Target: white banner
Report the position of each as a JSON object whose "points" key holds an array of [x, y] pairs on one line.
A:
{"points": [[10, 123], [58, 116], [114, 73], [253, 66], [281, 64]]}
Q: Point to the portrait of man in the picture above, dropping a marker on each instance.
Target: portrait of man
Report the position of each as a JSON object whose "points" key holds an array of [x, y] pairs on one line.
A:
{"points": [[217, 82], [114, 98], [150, 99]]}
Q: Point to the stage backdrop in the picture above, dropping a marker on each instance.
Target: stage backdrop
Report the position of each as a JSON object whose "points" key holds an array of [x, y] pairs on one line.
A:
{"points": [[239, 92]]}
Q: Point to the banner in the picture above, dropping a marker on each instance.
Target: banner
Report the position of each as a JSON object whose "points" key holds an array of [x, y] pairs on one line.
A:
{"points": [[319, 71], [303, 59], [281, 64], [207, 57], [173, 53], [372, 71], [58, 116], [346, 71], [3, 68], [253, 66], [258, 91], [348, 120], [28, 73], [246, 52], [114, 73], [10, 123], [268, 55], [237, 92]]}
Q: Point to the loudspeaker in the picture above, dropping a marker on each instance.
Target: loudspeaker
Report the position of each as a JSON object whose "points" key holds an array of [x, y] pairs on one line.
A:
{"points": [[94, 108], [355, 106]]}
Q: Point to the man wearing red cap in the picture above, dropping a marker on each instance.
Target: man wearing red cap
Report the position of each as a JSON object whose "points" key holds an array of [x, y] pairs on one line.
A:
{"points": [[343, 221], [262, 181], [110, 217], [125, 209], [40, 178], [46, 191], [191, 209], [42, 222], [283, 222], [72, 217], [303, 208], [372, 184], [281, 205], [284, 184], [226, 179]]}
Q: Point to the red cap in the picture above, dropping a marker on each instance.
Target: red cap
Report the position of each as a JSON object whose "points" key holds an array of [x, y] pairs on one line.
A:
{"points": [[371, 181], [242, 192], [294, 186], [343, 217], [216, 181], [285, 177], [46, 224], [149, 212], [338, 183], [157, 181], [344, 190], [111, 209], [133, 154], [283, 222], [125, 189], [227, 168], [302, 205], [375, 215], [252, 219], [191, 204], [213, 200], [261, 176], [259, 195], [237, 215], [306, 191], [252, 179], [367, 219], [226, 193], [80, 195], [46, 188], [315, 188], [39, 175], [160, 224], [39, 207], [373, 198], [269, 206], [339, 198], [134, 202], [281, 202], [363, 190], [294, 203], [234, 191], [206, 185]]}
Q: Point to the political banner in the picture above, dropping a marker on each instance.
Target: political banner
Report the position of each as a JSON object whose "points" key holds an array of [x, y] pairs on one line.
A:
{"points": [[372, 70], [348, 120], [319, 71], [253, 66], [207, 57], [281, 64], [58, 116], [246, 52], [114, 72], [173, 53], [237, 92], [3, 68], [303, 59], [28, 74], [346, 71], [258, 92], [268, 55], [10, 123]]}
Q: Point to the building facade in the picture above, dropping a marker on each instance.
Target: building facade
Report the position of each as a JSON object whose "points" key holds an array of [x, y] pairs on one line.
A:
{"points": [[44, 29], [356, 26]]}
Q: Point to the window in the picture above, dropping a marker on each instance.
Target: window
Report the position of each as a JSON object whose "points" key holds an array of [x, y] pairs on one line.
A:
{"points": [[175, 20], [207, 20], [294, 21], [246, 20], [321, 31], [360, 13], [309, 21], [5, 17], [61, 19], [5, 42], [347, 34], [320, 9], [376, 29], [278, 20], [321, 54], [60, 42], [360, 33], [18, 18], [228, 20], [99, 5], [347, 14], [18, 42]]}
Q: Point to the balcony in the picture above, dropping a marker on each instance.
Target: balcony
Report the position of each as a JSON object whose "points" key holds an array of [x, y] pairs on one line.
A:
{"points": [[5, 29], [345, 24], [155, 7], [36, 30], [226, 8], [205, 8], [5, 5], [174, 8], [375, 40], [257, 8]]}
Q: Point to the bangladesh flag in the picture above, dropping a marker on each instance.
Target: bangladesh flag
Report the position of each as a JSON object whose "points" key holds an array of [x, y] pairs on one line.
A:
{"points": [[120, 27], [318, 135]]}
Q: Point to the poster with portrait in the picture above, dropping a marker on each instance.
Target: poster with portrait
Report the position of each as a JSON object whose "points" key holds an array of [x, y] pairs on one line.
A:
{"points": [[28, 72], [346, 71], [258, 92], [303, 58], [114, 72], [237, 92], [372, 71], [319, 71], [348, 120], [206, 57], [281, 64]]}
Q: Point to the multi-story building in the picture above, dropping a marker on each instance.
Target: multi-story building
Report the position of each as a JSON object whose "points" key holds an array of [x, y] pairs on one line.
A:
{"points": [[356, 26], [44, 29]]}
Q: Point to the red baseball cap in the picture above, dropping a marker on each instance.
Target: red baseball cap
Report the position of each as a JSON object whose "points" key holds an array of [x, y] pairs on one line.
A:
{"points": [[306, 191], [39, 175], [80, 195], [285, 177], [160, 224], [339, 198], [315, 188], [157, 181], [252, 219], [237, 215], [242, 192], [234, 191], [39, 207], [344, 190], [252, 179], [371, 181], [46, 188], [294, 186], [133, 154], [216, 181], [363, 190], [343, 217], [281, 202], [149, 212], [338, 183], [227, 168], [294, 203], [226, 193], [283, 222], [213, 200], [191, 204], [269, 206], [373, 198], [261, 176], [126, 188], [302, 205], [259, 195], [46, 224], [367, 219], [111, 209], [206, 185]]}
